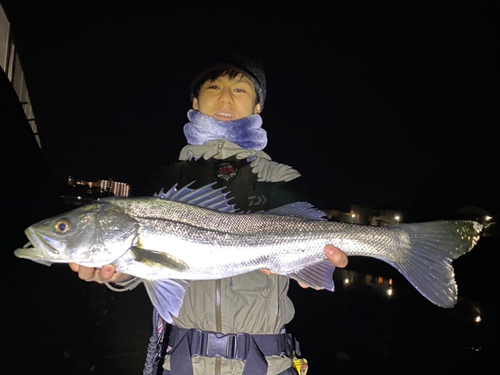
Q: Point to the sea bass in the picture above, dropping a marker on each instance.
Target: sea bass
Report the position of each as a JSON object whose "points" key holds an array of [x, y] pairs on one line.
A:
{"points": [[196, 234]]}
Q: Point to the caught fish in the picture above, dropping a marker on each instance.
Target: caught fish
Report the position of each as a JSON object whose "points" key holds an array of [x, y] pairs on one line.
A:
{"points": [[196, 234]]}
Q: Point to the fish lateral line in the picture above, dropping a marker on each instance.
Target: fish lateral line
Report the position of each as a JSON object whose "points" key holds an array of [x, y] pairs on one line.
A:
{"points": [[422, 252]]}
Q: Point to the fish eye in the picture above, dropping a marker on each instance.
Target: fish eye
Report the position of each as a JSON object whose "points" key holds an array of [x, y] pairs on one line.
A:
{"points": [[62, 226]]}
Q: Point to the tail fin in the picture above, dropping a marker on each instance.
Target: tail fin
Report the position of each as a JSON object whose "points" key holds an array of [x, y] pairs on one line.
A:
{"points": [[428, 264]]}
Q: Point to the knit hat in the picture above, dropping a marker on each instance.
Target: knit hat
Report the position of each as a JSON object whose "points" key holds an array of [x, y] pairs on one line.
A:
{"points": [[240, 62]]}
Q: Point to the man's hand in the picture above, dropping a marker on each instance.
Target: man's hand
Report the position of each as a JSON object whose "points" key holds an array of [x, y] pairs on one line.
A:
{"points": [[334, 255], [100, 275]]}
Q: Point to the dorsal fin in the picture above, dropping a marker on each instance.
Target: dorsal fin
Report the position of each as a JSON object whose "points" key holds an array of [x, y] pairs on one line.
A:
{"points": [[205, 196], [302, 210]]}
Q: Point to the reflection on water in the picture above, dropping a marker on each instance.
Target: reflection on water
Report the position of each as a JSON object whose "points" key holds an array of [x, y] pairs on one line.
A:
{"points": [[377, 322], [378, 284], [384, 286]]}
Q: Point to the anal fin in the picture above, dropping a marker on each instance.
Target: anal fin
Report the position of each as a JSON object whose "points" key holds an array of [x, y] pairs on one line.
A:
{"points": [[319, 275]]}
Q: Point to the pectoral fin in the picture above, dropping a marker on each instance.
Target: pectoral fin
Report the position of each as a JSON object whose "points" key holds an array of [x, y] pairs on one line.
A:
{"points": [[167, 296], [318, 275], [158, 259]]}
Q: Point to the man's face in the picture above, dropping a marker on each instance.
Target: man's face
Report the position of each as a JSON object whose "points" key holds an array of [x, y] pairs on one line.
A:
{"points": [[227, 99]]}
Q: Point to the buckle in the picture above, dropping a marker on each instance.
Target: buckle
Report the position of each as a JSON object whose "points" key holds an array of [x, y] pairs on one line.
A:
{"points": [[241, 346], [220, 345]]}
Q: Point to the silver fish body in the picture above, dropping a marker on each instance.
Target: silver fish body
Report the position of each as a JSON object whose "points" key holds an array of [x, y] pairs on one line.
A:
{"points": [[196, 235]]}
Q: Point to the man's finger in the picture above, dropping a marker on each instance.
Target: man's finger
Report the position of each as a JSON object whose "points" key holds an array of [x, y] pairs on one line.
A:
{"points": [[86, 273], [107, 271], [74, 267], [336, 256]]}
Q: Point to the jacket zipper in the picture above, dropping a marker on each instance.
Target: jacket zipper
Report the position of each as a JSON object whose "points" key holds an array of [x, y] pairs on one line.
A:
{"points": [[218, 320]]}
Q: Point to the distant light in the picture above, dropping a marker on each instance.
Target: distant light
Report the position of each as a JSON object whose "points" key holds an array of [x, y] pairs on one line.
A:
{"points": [[488, 218], [478, 319], [353, 216], [346, 281], [389, 292], [78, 197]]}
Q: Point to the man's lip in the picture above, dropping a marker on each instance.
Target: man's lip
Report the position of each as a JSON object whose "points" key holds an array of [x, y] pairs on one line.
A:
{"points": [[224, 115]]}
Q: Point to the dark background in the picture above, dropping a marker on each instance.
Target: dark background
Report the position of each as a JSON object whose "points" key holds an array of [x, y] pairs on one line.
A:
{"points": [[375, 102], [386, 103]]}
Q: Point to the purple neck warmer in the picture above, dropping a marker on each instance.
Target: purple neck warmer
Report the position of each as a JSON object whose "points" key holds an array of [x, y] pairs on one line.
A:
{"points": [[245, 132]]}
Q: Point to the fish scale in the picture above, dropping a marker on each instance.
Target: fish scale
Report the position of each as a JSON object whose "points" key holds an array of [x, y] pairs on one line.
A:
{"points": [[165, 240]]}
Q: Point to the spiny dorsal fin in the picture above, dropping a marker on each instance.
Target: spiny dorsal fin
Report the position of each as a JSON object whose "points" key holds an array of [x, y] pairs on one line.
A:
{"points": [[214, 199], [205, 196]]}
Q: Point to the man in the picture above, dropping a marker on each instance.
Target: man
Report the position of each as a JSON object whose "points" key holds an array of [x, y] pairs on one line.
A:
{"points": [[225, 142]]}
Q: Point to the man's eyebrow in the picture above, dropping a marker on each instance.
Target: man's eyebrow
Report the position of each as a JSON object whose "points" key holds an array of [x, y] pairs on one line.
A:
{"points": [[241, 81]]}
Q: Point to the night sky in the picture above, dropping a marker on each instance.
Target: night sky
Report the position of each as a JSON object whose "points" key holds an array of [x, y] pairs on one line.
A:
{"points": [[375, 102]]}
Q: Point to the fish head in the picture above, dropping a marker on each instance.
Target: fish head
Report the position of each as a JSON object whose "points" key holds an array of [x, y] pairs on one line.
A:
{"points": [[92, 235]]}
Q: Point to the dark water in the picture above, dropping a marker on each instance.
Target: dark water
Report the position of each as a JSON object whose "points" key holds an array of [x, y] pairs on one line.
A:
{"points": [[59, 324], [370, 326]]}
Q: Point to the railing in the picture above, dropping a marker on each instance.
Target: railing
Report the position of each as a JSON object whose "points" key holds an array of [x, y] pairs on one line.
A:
{"points": [[11, 65]]}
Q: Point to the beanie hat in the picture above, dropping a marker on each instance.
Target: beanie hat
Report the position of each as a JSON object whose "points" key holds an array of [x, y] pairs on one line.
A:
{"points": [[247, 65]]}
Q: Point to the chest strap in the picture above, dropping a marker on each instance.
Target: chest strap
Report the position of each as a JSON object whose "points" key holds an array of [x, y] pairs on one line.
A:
{"points": [[184, 343]]}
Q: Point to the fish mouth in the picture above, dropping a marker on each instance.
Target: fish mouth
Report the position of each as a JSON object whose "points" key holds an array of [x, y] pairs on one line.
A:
{"points": [[39, 248], [32, 253]]}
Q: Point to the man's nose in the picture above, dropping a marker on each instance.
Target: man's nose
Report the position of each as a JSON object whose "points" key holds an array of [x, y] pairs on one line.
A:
{"points": [[226, 95]]}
